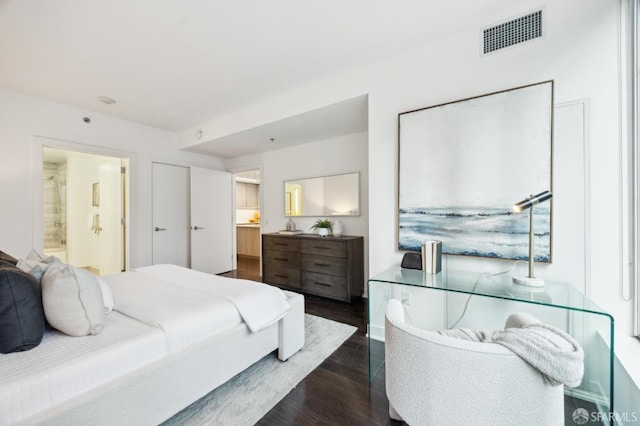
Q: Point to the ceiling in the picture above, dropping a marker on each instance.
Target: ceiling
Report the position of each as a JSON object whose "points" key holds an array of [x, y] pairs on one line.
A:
{"points": [[177, 64]]}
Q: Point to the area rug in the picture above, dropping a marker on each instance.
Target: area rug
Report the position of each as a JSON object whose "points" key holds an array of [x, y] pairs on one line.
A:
{"points": [[250, 395]]}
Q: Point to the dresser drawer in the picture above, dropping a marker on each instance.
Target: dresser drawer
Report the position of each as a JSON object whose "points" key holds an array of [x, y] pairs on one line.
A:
{"points": [[282, 259], [270, 243], [324, 265], [324, 247], [282, 276], [325, 285]]}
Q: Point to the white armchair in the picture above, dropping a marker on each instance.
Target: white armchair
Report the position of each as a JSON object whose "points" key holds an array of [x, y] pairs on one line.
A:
{"points": [[433, 379]]}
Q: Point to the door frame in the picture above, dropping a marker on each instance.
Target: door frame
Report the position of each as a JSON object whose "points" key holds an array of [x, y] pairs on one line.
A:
{"points": [[233, 172], [40, 142]]}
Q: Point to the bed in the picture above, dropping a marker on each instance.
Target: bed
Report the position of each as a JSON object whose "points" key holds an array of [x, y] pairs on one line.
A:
{"points": [[174, 335]]}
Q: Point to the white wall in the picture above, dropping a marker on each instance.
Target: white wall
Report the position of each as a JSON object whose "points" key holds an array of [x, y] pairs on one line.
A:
{"points": [[343, 154], [26, 123], [579, 52]]}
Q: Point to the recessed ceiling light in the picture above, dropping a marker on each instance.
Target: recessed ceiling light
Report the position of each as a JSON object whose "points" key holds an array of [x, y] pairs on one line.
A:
{"points": [[106, 100], [199, 134], [272, 140]]}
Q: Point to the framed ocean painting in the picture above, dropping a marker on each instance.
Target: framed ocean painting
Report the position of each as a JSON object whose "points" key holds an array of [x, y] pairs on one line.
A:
{"points": [[462, 166]]}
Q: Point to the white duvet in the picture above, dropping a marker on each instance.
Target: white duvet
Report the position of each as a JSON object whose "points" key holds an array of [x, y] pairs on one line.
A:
{"points": [[63, 367], [190, 306]]}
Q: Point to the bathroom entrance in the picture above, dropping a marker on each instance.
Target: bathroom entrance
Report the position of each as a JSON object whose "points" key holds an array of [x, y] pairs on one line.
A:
{"points": [[84, 209]]}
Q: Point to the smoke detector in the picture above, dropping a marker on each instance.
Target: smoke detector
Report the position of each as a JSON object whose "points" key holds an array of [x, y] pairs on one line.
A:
{"points": [[106, 100]]}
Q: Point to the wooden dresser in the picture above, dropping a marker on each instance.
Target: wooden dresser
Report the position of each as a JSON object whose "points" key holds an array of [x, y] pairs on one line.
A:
{"points": [[332, 267]]}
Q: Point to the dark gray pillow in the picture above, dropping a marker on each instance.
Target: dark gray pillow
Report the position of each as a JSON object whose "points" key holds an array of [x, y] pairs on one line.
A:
{"points": [[21, 313], [8, 258]]}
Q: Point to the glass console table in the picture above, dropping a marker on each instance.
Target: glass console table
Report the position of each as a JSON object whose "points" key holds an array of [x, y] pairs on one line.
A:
{"points": [[455, 299]]}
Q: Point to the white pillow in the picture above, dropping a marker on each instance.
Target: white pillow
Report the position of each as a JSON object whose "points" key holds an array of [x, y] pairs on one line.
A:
{"points": [[72, 300], [39, 257], [34, 255], [33, 267], [107, 296]]}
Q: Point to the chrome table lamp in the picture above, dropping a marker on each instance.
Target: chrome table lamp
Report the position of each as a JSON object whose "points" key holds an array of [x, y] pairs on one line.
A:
{"points": [[519, 207]]}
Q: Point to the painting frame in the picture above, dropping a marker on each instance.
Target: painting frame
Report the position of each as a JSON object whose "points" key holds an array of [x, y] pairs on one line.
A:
{"points": [[463, 164]]}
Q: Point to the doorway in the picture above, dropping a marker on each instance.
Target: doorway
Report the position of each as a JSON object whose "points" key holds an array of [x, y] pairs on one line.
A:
{"points": [[248, 246], [84, 209]]}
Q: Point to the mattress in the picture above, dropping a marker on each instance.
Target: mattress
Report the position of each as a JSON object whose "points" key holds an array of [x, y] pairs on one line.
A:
{"points": [[62, 367]]}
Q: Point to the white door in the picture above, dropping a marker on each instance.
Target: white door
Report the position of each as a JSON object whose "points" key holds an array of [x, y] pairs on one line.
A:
{"points": [[211, 221], [110, 237], [170, 211]]}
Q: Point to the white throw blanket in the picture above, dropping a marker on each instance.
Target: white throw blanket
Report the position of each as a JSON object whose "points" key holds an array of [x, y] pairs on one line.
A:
{"points": [[553, 352], [260, 305], [185, 316]]}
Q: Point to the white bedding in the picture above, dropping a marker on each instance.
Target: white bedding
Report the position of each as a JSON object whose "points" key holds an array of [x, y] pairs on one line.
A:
{"points": [[186, 317], [260, 305], [159, 311], [62, 367]]}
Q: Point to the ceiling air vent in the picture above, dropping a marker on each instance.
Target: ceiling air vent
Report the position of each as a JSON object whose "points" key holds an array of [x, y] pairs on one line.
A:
{"points": [[515, 31]]}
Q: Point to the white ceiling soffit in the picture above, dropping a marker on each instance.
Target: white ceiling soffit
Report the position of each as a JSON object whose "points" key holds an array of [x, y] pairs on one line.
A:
{"points": [[177, 64], [343, 118], [251, 176]]}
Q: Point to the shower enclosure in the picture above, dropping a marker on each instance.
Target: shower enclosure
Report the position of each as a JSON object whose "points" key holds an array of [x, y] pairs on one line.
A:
{"points": [[55, 209]]}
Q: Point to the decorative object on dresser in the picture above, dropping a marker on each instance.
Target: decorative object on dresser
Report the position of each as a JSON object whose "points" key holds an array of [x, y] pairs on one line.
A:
{"points": [[337, 228], [328, 267], [323, 226]]}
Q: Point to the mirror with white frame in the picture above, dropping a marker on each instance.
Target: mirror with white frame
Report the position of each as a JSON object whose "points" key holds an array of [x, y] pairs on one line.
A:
{"points": [[337, 195]]}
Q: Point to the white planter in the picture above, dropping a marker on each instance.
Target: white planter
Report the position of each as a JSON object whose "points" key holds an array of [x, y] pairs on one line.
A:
{"points": [[337, 228], [323, 232]]}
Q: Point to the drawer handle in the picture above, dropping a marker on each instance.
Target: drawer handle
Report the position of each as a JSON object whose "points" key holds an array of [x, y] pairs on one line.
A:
{"points": [[282, 276], [324, 265], [323, 284], [281, 259], [280, 244]]}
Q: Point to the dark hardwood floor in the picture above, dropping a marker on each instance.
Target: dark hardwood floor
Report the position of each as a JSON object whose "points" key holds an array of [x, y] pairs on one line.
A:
{"points": [[338, 392]]}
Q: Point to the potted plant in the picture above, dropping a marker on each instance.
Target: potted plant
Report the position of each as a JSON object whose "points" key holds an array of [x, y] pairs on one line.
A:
{"points": [[323, 226]]}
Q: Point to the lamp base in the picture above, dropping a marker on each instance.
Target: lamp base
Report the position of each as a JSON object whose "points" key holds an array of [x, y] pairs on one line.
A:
{"points": [[529, 281]]}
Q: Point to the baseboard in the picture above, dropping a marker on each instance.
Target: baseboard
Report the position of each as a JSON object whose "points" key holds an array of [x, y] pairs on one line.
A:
{"points": [[248, 257], [375, 332]]}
